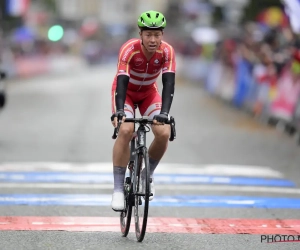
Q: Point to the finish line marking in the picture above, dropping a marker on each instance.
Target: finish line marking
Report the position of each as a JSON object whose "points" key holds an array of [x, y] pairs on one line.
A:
{"points": [[94, 186], [154, 225], [164, 168]]}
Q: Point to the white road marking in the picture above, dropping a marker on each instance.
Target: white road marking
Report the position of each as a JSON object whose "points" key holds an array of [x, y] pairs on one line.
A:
{"points": [[163, 168], [157, 187]]}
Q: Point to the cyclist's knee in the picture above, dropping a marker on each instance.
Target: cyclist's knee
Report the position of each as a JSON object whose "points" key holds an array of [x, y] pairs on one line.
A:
{"points": [[126, 131], [161, 132]]}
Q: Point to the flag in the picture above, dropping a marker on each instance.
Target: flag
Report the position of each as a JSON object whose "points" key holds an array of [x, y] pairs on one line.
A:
{"points": [[17, 7], [273, 17], [292, 9]]}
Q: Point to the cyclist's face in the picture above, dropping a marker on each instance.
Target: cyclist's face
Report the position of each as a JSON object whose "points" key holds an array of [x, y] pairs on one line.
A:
{"points": [[151, 39]]}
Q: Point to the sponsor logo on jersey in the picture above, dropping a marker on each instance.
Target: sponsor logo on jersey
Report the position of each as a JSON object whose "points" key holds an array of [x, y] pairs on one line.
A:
{"points": [[138, 61], [124, 58], [166, 54], [156, 61]]}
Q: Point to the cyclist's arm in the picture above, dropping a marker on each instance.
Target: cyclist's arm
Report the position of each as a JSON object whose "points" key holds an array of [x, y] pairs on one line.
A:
{"points": [[168, 79], [122, 77], [120, 95]]}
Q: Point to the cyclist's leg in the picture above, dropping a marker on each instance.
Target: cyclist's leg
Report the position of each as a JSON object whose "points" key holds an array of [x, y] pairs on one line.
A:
{"points": [[121, 153], [151, 106]]}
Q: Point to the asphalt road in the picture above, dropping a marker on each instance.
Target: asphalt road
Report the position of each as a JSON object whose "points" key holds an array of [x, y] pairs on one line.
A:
{"points": [[55, 154]]}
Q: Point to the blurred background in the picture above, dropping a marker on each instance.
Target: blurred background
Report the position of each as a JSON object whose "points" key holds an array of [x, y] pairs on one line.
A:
{"points": [[251, 47]]}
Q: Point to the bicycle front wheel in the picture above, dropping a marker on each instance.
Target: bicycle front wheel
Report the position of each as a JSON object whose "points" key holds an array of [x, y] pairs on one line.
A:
{"points": [[142, 194], [125, 216]]}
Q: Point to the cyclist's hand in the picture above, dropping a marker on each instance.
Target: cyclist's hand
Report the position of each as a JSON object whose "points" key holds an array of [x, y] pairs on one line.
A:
{"points": [[160, 119], [119, 115]]}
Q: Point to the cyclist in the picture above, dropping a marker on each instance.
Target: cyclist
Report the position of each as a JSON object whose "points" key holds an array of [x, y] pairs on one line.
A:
{"points": [[140, 63]]}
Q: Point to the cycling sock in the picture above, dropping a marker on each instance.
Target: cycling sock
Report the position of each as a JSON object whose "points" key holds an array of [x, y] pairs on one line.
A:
{"points": [[119, 176], [152, 165]]}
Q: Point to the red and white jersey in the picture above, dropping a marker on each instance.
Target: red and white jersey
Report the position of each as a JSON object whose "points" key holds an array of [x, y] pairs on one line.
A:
{"points": [[143, 73]]}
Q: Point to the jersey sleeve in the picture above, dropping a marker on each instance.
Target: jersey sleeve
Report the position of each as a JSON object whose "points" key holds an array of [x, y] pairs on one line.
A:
{"points": [[125, 55], [169, 59]]}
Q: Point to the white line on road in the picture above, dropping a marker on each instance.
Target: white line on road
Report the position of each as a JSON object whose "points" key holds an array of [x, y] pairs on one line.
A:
{"points": [[157, 187], [164, 168]]}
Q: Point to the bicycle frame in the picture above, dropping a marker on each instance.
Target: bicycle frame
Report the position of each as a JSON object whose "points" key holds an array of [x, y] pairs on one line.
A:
{"points": [[138, 152], [140, 134], [138, 142]]}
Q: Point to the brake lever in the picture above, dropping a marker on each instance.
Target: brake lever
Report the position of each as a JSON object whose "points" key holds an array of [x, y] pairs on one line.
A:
{"points": [[116, 130], [173, 129]]}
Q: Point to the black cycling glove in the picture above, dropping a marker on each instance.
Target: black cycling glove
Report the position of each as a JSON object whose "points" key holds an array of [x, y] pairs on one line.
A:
{"points": [[162, 117], [120, 114]]}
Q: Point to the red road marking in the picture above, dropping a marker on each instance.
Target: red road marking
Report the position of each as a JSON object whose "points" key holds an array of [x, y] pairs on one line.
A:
{"points": [[166, 225]]}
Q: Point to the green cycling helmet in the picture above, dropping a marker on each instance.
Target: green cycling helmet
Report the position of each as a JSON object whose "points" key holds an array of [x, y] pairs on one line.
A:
{"points": [[152, 20]]}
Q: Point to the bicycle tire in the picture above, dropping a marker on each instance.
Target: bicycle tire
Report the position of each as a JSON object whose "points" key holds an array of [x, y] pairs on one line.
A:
{"points": [[125, 216], [140, 230], [2, 99]]}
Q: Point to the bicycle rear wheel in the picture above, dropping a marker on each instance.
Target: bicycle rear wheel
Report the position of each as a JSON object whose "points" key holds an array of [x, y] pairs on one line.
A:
{"points": [[125, 216], [141, 201]]}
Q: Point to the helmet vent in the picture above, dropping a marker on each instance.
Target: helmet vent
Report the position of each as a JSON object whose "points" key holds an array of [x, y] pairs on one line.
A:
{"points": [[148, 15], [157, 15]]}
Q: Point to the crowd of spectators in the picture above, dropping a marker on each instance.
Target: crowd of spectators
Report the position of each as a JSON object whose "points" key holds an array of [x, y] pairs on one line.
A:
{"points": [[262, 66]]}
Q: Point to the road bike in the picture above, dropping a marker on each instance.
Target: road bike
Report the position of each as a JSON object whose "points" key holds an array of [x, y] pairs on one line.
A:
{"points": [[137, 184]]}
